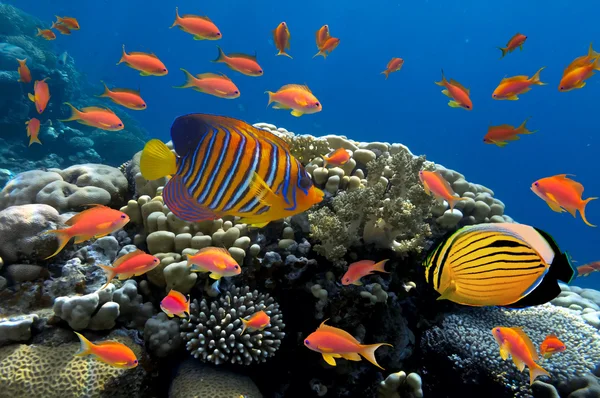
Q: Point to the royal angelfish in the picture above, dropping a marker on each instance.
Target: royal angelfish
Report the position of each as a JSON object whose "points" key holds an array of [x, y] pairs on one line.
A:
{"points": [[503, 264], [228, 167]]}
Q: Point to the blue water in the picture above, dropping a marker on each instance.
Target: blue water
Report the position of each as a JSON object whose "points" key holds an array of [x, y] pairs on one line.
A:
{"points": [[460, 37]]}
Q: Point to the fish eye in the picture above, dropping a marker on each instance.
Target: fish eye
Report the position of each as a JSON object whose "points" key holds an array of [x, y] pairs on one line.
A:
{"points": [[155, 260], [536, 183], [494, 95], [561, 88], [236, 92], [347, 280], [165, 69], [260, 71], [120, 124], [498, 330], [123, 216], [143, 105], [237, 267], [218, 34], [467, 106], [135, 362], [306, 342]]}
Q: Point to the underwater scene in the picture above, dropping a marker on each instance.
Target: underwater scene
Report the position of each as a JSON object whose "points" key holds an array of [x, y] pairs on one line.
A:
{"points": [[237, 199]]}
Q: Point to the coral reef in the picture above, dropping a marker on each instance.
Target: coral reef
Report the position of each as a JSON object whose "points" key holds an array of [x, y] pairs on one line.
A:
{"points": [[401, 385]]}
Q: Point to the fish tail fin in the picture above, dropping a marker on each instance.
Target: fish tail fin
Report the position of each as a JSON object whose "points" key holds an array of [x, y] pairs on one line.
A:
{"points": [[75, 114], [286, 54], [270, 97], [177, 18], [592, 53], [596, 64], [22, 61], [325, 160], [452, 201], [189, 82], [123, 56], [106, 91], [380, 266], [58, 19], [63, 237], [35, 140], [157, 160], [221, 56], [245, 325], [442, 82], [187, 305], [582, 210], [314, 56], [386, 73], [368, 352], [535, 79], [535, 371], [86, 347], [522, 129], [504, 51], [110, 274], [39, 33]]}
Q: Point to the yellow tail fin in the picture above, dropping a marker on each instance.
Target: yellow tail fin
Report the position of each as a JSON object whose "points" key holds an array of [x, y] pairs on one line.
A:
{"points": [[86, 347], [536, 371], [535, 79], [110, 274], [63, 237], [157, 160], [33, 139], [504, 51], [245, 323], [177, 17], [582, 210], [75, 114], [380, 266], [189, 82], [368, 352], [123, 56]]}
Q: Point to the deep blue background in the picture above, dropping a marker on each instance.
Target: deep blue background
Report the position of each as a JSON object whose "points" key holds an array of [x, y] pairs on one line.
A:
{"points": [[459, 37]]}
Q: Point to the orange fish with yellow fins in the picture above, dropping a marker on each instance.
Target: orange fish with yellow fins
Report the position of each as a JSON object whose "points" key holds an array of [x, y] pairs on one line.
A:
{"points": [[102, 118], [175, 303], [327, 47], [126, 97], [394, 65], [515, 42], [202, 28], [148, 64], [33, 129], [132, 264], [211, 83], [500, 135], [243, 63], [296, 97], [215, 260], [339, 157], [258, 321], [332, 342], [41, 95], [511, 87], [581, 69], [362, 268], [551, 345], [322, 35], [46, 34], [24, 73], [111, 353], [460, 96], [434, 183], [69, 22], [281, 37]]}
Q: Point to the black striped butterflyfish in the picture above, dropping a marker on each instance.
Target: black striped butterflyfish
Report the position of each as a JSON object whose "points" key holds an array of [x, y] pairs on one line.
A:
{"points": [[498, 264], [224, 166]]}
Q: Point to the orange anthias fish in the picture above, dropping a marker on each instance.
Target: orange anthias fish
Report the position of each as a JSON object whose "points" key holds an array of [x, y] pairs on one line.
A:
{"points": [[510, 87], [562, 193], [24, 73], [296, 97], [41, 95], [63, 29], [258, 321], [459, 94], [215, 260], [515, 42], [126, 97], [551, 345], [211, 83], [362, 268], [95, 222], [147, 64], [514, 342], [576, 74], [46, 34], [132, 264], [281, 37], [112, 353], [587, 269], [33, 129], [333, 342], [176, 304], [322, 35], [433, 182], [339, 157], [327, 47], [500, 135], [102, 118], [202, 28], [394, 65], [242, 63], [69, 22]]}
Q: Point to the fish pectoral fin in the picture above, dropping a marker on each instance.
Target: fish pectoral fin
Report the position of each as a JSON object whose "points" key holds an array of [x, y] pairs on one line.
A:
{"points": [[214, 275], [329, 359], [553, 204], [301, 102], [504, 353], [297, 113], [325, 349], [143, 73], [501, 144], [453, 104], [357, 283], [351, 356], [446, 93], [198, 37], [104, 225], [512, 98], [426, 187], [220, 265], [31, 97], [518, 363]]}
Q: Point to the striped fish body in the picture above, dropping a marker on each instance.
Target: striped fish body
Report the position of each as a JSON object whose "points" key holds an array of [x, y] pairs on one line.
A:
{"points": [[500, 264]]}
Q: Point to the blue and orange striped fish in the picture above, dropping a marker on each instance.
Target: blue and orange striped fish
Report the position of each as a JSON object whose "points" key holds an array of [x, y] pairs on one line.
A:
{"points": [[228, 167]]}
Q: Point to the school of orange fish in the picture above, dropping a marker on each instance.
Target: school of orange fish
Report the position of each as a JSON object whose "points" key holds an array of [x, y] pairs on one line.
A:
{"points": [[560, 192]]}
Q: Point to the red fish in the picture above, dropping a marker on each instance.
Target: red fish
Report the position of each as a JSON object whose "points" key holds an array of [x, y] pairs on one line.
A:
{"points": [[210, 83], [394, 65], [258, 321], [551, 345], [24, 73], [175, 303], [500, 135], [322, 35], [132, 264], [587, 269], [362, 268], [216, 260], [242, 63], [459, 94], [46, 34], [281, 37], [102, 118], [112, 353], [33, 129], [147, 64], [434, 183], [327, 47], [202, 28], [515, 42], [339, 157], [96, 222], [69, 22], [41, 95], [126, 97], [510, 87]]}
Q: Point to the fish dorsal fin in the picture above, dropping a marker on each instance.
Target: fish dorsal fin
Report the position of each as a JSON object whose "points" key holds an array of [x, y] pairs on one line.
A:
{"points": [[272, 138], [204, 17], [240, 55], [338, 332], [296, 86], [502, 127], [142, 53], [77, 217], [576, 185], [210, 75], [222, 250], [527, 341], [96, 109], [126, 90], [578, 62], [457, 84], [519, 78], [178, 295], [551, 336], [127, 257]]}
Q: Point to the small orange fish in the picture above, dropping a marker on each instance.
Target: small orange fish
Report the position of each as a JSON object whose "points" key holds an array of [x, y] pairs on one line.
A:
{"points": [[362, 268], [175, 303], [322, 35], [24, 73], [339, 157], [574, 76], [500, 135], [515, 42], [46, 34], [514, 342], [132, 264], [211, 83], [333, 342], [242, 63], [562, 194], [433, 182], [215, 260], [584, 59], [510, 87], [101, 118], [95, 222], [69, 22], [202, 28], [551, 345], [33, 129], [63, 29], [394, 65], [327, 47], [258, 321], [147, 64], [126, 97], [458, 93], [112, 353], [587, 269], [41, 95], [281, 37], [296, 97]]}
